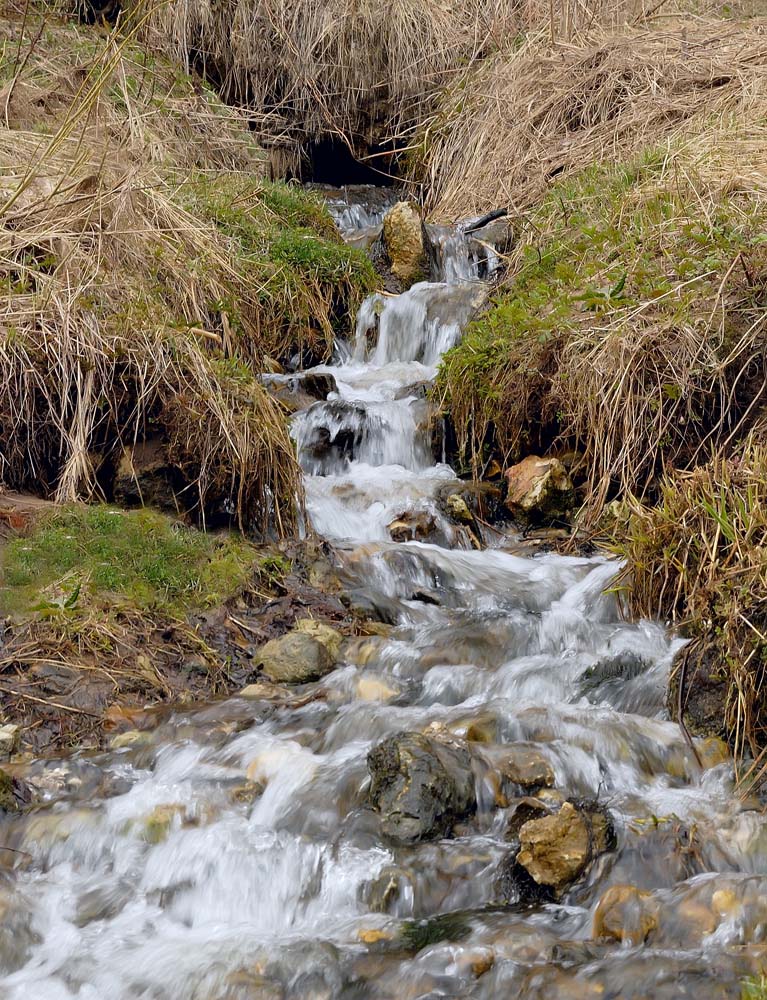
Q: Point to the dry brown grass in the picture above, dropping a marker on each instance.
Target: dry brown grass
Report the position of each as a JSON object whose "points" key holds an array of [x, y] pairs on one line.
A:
{"points": [[358, 69], [522, 119], [128, 304]]}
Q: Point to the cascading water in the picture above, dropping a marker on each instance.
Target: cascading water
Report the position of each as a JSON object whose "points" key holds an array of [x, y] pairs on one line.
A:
{"points": [[231, 853]]}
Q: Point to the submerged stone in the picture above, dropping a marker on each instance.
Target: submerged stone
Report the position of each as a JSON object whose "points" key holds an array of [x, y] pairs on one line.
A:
{"points": [[420, 785], [626, 914]]}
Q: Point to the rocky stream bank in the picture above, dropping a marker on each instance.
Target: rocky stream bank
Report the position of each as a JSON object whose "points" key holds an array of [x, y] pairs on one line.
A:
{"points": [[419, 753]]}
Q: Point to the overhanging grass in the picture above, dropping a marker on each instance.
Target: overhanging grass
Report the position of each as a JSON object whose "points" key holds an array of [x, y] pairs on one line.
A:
{"points": [[628, 327], [140, 557], [698, 558]]}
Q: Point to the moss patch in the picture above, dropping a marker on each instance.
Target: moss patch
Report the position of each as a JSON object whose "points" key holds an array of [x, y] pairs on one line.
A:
{"points": [[138, 556]]}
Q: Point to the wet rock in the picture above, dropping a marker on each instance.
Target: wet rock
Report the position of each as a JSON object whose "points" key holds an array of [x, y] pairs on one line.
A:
{"points": [[330, 638], [539, 487], [526, 766], [295, 658], [625, 914], [15, 794], [158, 824], [382, 894], [417, 389], [403, 241], [298, 392], [412, 526], [705, 692], [420, 786], [264, 692], [459, 509], [515, 886], [133, 738], [145, 477], [10, 736], [521, 811], [556, 849], [374, 689]]}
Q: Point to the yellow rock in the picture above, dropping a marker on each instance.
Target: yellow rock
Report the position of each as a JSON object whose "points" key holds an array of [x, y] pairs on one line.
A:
{"points": [[156, 826], [713, 751], [373, 689], [555, 849], [625, 913], [372, 935], [403, 239], [725, 903], [134, 737]]}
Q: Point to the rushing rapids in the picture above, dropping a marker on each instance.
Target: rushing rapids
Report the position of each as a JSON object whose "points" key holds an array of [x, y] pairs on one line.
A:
{"points": [[232, 853]]}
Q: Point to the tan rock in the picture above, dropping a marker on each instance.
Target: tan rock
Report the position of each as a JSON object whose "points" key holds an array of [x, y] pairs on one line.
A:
{"points": [[330, 638], [555, 849], [374, 689], [625, 913], [403, 239], [527, 767], [10, 736], [264, 692], [295, 658], [538, 486]]}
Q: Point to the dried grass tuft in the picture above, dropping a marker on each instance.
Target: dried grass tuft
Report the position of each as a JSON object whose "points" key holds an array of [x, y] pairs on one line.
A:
{"points": [[698, 558], [524, 118]]}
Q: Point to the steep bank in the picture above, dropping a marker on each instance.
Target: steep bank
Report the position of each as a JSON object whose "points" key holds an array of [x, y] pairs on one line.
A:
{"points": [[148, 270]]}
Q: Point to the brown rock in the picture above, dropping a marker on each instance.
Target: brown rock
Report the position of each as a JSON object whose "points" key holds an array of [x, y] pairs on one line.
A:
{"points": [[538, 486], [527, 767], [412, 526], [625, 913], [555, 849]]}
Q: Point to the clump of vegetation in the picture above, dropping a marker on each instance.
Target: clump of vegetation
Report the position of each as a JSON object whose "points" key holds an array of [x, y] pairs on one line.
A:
{"points": [[629, 327], [698, 558], [81, 553], [146, 269]]}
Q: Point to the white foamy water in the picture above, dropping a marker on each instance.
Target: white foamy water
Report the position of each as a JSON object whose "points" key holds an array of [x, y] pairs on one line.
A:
{"points": [[231, 854]]}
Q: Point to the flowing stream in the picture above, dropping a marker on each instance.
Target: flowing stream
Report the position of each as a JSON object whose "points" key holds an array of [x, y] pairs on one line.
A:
{"points": [[231, 853]]}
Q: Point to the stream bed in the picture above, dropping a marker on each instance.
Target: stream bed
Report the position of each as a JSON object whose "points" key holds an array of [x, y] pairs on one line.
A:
{"points": [[233, 853]]}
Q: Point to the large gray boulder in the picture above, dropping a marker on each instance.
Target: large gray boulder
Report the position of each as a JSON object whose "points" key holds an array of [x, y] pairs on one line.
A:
{"points": [[421, 785]]}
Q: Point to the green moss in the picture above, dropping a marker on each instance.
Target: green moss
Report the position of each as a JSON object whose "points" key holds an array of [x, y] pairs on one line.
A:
{"points": [[307, 282], [139, 556]]}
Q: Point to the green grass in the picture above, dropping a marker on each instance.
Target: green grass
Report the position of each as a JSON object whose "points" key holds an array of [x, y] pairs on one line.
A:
{"points": [[141, 557], [755, 989], [285, 244]]}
